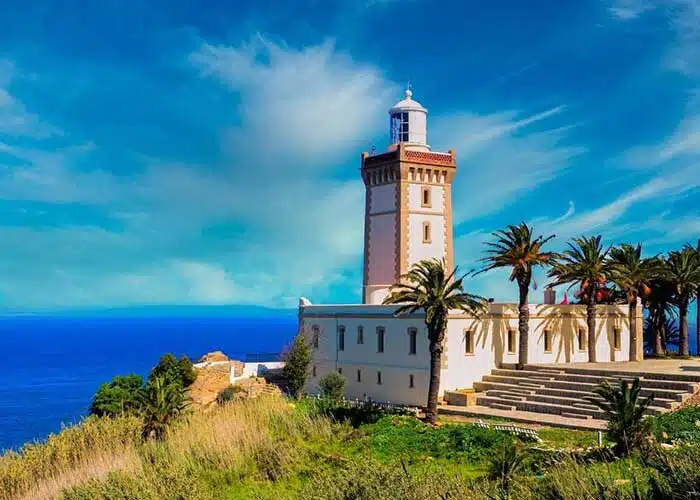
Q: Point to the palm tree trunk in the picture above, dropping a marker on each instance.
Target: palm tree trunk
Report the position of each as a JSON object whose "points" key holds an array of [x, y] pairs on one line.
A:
{"points": [[659, 337], [434, 383], [523, 327], [590, 320], [632, 313], [683, 314]]}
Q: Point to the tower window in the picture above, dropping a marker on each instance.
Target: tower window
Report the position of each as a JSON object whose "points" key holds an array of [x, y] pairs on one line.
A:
{"points": [[360, 335], [359, 375], [468, 342], [426, 232], [411, 381], [548, 341], [341, 338], [379, 378], [425, 197], [380, 339], [315, 334], [412, 334], [340, 371], [313, 371], [399, 127], [511, 341]]}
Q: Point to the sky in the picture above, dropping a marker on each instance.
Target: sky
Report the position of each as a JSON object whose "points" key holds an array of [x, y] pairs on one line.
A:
{"points": [[187, 152]]}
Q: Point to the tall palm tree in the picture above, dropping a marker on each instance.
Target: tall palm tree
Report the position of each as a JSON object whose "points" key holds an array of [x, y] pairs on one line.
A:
{"points": [[697, 311], [516, 247], [683, 270], [631, 273], [583, 263], [430, 287], [161, 403], [659, 303]]}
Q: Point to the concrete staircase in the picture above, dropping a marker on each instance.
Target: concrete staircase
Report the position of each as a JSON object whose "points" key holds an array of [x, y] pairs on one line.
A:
{"points": [[568, 390]]}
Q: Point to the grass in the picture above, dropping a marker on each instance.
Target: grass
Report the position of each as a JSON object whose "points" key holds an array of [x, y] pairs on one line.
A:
{"points": [[270, 448]]}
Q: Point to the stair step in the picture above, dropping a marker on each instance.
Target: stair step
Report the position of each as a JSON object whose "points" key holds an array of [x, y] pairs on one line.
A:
{"points": [[683, 377], [502, 406], [576, 415]]}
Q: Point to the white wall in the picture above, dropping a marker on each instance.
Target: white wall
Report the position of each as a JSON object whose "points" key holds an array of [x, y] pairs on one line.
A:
{"points": [[382, 250], [415, 198], [462, 369], [256, 369], [417, 250]]}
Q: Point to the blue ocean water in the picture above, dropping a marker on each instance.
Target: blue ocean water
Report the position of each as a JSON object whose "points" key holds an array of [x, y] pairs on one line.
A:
{"points": [[51, 367]]}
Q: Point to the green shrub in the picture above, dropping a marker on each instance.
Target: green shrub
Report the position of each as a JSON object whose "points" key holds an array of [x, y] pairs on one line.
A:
{"points": [[297, 364], [228, 394], [332, 386], [161, 403], [683, 425], [173, 370], [118, 397], [625, 410]]}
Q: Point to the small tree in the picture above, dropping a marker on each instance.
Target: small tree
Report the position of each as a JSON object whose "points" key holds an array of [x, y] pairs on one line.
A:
{"points": [[296, 367], [118, 397], [173, 370], [333, 386], [624, 410], [161, 403]]}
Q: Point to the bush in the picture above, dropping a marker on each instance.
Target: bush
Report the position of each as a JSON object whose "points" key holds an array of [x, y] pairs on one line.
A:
{"points": [[681, 425], [333, 386], [118, 397], [229, 394], [173, 370], [297, 364]]}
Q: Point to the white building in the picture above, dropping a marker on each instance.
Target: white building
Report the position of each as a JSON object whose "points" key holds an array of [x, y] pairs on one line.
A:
{"points": [[408, 218]]}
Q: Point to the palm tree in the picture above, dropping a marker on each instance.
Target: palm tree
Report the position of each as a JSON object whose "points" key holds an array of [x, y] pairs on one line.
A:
{"points": [[683, 270], [517, 248], [659, 303], [430, 287], [161, 404], [631, 273], [624, 410], [697, 310], [583, 263]]}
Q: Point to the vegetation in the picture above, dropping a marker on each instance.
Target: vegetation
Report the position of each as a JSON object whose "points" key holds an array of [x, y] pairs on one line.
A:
{"points": [[430, 287], [517, 248], [683, 270], [584, 263], [625, 410], [332, 386], [229, 394], [161, 403], [631, 273], [268, 448], [297, 364], [173, 371], [118, 397]]}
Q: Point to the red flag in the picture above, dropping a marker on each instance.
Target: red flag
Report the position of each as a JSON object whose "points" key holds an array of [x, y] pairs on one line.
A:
{"points": [[566, 299]]}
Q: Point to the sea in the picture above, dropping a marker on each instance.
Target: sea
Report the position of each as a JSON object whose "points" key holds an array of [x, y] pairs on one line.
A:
{"points": [[50, 367]]}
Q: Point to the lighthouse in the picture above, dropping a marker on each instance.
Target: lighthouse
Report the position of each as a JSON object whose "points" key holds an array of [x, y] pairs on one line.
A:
{"points": [[408, 202]]}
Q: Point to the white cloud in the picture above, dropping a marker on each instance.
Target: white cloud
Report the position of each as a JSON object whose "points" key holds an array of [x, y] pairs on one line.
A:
{"points": [[502, 156], [630, 9]]}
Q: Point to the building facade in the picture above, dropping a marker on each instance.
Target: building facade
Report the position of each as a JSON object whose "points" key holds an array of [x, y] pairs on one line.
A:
{"points": [[408, 218]]}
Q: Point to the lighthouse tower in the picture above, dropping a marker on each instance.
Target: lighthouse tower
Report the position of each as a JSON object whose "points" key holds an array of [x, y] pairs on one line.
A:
{"points": [[408, 202]]}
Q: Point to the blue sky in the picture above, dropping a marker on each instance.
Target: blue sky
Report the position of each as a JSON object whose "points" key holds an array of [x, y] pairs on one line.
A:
{"points": [[184, 152]]}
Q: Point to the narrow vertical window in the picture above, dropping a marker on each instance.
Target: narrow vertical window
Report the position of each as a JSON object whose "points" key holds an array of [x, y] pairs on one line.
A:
{"points": [[360, 335], [380, 339], [379, 378], [316, 333], [410, 381], [468, 342], [359, 375], [425, 197], [581, 339], [547, 341], [341, 338], [511, 341], [617, 338], [412, 334], [340, 371], [313, 371], [426, 232]]}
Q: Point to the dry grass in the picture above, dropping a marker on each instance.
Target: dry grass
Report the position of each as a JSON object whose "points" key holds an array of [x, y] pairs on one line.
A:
{"points": [[260, 436]]}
